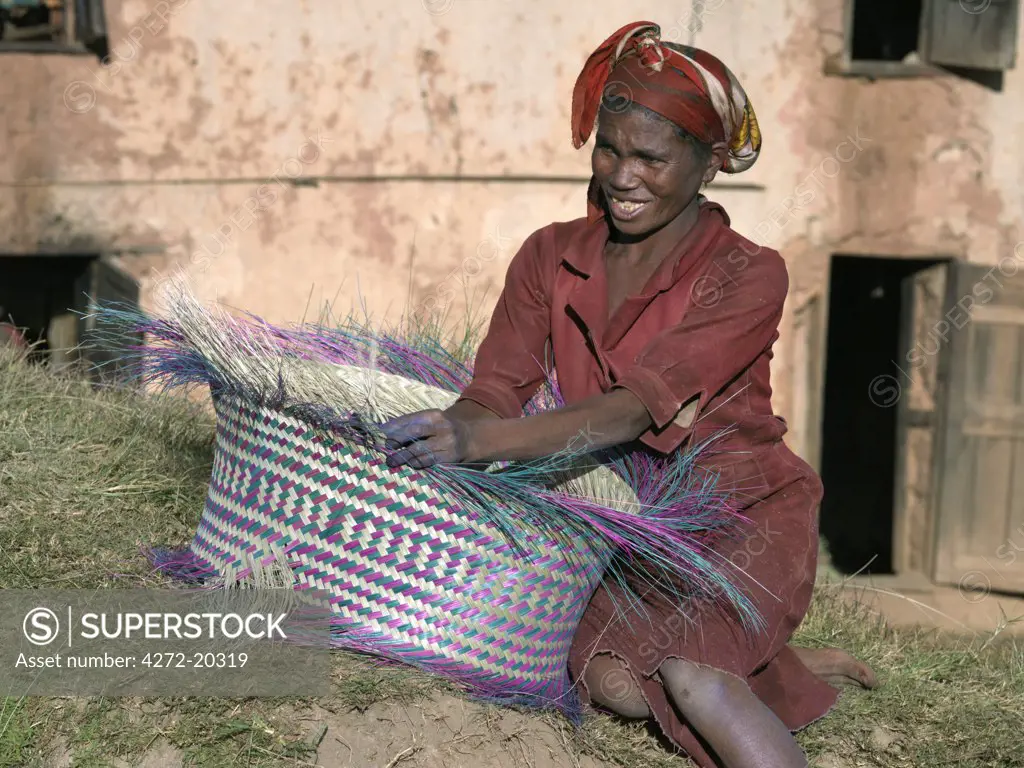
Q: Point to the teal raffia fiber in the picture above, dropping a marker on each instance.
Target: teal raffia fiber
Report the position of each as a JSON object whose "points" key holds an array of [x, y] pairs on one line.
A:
{"points": [[478, 574]]}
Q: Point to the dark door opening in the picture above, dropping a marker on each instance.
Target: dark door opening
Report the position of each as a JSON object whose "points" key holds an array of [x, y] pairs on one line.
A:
{"points": [[36, 294], [45, 298], [859, 419]]}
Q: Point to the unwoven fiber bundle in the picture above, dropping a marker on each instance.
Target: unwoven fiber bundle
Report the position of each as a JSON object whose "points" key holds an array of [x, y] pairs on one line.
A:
{"points": [[478, 574]]}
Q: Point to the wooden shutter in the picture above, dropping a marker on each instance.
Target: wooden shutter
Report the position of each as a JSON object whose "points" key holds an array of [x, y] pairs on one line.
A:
{"points": [[920, 399], [976, 34], [980, 460], [91, 26], [104, 284]]}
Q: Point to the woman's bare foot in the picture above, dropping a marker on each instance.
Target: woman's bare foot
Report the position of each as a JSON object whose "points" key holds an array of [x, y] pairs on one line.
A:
{"points": [[836, 666]]}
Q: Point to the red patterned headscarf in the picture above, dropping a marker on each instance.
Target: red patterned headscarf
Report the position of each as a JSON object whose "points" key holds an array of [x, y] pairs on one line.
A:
{"points": [[687, 86]]}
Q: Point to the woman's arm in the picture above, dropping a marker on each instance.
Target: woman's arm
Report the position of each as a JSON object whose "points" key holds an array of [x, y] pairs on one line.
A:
{"points": [[510, 366], [470, 436], [657, 400], [598, 422]]}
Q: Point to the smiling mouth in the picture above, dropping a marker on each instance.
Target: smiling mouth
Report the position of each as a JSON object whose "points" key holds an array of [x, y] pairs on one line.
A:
{"points": [[625, 209]]}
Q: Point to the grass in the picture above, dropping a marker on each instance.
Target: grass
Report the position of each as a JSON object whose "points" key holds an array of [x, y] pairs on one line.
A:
{"points": [[88, 477]]}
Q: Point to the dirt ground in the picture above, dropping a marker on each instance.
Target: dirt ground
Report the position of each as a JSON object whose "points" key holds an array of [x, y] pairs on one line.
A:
{"points": [[445, 732]]}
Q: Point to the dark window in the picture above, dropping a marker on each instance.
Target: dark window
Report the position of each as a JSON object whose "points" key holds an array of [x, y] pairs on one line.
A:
{"points": [[885, 30], [39, 26], [34, 21], [976, 39]]}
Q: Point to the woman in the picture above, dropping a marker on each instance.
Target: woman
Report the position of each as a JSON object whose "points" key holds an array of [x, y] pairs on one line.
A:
{"points": [[660, 320]]}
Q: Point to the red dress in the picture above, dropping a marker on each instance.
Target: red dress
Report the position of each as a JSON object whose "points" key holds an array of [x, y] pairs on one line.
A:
{"points": [[701, 331]]}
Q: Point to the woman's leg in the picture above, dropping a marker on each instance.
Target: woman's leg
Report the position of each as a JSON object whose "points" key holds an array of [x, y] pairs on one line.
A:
{"points": [[611, 685], [742, 731]]}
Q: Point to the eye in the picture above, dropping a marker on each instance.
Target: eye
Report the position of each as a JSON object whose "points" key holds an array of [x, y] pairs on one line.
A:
{"points": [[650, 159]]}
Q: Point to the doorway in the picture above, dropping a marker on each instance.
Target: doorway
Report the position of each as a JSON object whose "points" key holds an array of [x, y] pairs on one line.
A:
{"points": [[36, 293], [867, 313], [47, 297]]}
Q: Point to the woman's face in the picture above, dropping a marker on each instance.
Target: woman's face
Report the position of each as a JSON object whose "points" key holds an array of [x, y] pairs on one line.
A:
{"points": [[648, 174]]}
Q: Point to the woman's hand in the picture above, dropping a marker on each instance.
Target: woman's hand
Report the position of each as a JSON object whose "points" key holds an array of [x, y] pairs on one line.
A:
{"points": [[427, 438]]}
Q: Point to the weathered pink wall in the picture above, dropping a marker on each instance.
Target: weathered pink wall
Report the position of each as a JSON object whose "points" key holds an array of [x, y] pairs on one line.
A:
{"points": [[439, 133]]}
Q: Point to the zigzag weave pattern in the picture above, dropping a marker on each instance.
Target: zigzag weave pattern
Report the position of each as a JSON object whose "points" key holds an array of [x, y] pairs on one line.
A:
{"points": [[403, 565]]}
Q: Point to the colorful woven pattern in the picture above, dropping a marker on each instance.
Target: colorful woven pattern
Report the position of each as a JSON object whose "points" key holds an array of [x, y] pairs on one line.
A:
{"points": [[408, 572], [479, 575]]}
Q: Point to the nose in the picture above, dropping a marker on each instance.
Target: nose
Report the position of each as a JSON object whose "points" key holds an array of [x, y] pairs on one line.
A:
{"points": [[624, 174]]}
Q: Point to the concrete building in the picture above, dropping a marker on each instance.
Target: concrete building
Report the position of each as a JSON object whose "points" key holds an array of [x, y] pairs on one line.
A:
{"points": [[391, 156]]}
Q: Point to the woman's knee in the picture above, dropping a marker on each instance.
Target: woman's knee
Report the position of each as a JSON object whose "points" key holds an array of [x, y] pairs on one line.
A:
{"points": [[611, 684], [705, 686]]}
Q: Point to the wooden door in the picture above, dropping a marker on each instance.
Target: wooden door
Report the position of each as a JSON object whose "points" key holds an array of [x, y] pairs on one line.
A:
{"points": [[808, 358], [979, 467], [917, 385]]}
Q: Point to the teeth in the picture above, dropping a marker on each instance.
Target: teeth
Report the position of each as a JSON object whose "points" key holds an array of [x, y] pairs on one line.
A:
{"points": [[626, 205]]}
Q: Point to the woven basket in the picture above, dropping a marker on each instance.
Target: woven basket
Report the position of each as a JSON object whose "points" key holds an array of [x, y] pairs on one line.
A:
{"points": [[411, 575], [479, 576]]}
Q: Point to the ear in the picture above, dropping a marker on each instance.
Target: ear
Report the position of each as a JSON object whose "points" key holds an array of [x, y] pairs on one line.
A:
{"points": [[719, 153]]}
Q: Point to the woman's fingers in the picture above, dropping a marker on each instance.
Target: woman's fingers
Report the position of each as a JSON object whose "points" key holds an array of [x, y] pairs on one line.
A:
{"points": [[421, 440], [412, 426], [420, 455]]}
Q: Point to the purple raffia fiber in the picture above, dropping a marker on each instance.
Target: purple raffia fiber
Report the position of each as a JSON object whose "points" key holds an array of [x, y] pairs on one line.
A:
{"points": [[666, 545]]}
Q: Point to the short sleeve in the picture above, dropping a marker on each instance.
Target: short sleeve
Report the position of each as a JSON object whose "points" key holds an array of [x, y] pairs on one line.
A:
{"points": [[688, 364], [510, 363]]}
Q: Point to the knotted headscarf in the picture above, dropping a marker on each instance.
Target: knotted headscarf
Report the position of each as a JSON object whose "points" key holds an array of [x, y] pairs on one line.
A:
{"points": [[687, 86]]}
